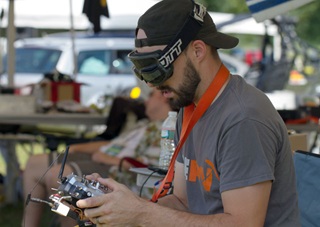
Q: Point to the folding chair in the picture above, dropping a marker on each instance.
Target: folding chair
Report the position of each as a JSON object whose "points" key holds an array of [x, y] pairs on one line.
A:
{"points": [[307, 167]]}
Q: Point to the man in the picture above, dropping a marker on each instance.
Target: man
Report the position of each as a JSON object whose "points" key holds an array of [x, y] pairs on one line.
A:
{"points": [[141, 143], [235, 167]]}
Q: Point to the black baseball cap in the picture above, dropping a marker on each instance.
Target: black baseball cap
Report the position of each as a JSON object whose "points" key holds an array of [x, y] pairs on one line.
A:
{"points": [[163, 21]]}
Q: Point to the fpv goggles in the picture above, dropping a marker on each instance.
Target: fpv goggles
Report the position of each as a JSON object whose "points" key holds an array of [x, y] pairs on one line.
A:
{"points": [[156, 67]]}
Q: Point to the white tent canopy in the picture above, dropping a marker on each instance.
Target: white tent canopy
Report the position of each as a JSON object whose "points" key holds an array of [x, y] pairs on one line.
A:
{"points": [[55, 14], [250, 26]]}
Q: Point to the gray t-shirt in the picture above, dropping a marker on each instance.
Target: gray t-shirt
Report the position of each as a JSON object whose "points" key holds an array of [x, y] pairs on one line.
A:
{"points": [[244, 139]]}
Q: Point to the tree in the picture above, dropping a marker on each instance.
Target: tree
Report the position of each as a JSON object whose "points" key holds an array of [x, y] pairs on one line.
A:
{"points": [[307, 16], [308, 19], [230, 6]]}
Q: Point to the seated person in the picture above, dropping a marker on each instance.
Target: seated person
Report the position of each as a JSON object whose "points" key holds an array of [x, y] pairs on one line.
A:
{"points": [[116, 122], [143, 143]]}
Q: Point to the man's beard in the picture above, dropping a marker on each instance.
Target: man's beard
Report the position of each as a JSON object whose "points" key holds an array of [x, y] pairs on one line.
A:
{"points": [[185, 94]]}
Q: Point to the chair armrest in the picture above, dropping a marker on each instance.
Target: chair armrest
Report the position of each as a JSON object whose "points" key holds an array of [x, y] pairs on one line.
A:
{"points": [[134, 162]]}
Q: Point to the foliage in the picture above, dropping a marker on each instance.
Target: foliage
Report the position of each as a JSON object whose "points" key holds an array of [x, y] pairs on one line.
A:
{"points": [[307, 16], [308, 21], [230, 6]]}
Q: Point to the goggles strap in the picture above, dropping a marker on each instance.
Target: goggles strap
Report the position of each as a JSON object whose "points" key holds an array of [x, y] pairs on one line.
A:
{"points": [[188, 32], [191, 115]]}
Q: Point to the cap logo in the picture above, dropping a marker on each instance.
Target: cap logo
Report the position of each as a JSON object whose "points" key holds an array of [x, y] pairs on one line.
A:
{"points": [[171, 54], [199, 11]]}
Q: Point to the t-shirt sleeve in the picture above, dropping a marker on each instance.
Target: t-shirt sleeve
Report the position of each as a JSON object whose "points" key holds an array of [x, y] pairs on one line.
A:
{"points": [[246, 155]]}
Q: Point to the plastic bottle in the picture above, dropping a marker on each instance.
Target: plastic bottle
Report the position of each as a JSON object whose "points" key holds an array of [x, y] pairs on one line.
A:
{"points": [[167, 140]]}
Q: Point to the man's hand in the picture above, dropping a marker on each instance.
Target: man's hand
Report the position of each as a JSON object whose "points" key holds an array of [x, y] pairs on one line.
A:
{"points": [[114, 208]]}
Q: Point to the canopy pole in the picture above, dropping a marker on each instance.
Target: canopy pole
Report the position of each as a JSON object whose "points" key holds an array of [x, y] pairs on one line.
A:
{"points": [[11, 36], [72, 33]]}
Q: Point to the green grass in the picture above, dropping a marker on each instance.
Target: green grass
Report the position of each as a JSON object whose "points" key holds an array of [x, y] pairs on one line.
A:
{"points": [[11, 215]]}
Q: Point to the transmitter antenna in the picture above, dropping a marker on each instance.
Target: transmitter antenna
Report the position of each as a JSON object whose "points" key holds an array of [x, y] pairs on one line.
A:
{"points": [[63, 163]]}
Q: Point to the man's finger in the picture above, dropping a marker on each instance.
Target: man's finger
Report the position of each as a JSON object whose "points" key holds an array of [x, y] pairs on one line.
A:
{"points": [[108, 182], [91, 202], [93, 176]]}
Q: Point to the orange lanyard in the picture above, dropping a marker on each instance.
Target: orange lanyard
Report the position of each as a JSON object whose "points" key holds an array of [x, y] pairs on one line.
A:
{"points": [[190, 117]]}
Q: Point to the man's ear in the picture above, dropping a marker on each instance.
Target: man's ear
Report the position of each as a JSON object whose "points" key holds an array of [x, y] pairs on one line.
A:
{"points": [[199, 49]]}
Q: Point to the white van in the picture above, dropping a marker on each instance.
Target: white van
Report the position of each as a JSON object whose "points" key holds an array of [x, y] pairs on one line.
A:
{"points": [[102, 63]]}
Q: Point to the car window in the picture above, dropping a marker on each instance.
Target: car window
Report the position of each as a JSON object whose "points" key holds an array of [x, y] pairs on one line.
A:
{"points": [[104, 62], [122, 64], [35, 60], [94, 62]]}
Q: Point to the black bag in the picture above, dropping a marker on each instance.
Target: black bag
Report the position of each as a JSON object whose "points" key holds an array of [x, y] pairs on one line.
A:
{"points": [[274, 75]]}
